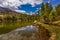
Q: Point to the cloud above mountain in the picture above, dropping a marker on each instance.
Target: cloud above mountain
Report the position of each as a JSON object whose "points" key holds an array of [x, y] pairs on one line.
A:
{"points": [[14, 4]]}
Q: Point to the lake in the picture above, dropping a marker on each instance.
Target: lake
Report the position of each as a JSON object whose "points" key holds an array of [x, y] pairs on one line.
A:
{"points": [[6, 27], [23, 33]]}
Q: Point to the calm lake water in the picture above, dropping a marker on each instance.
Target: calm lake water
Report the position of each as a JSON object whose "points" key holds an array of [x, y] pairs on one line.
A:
{"points": [[23, 33], [7, 27]]}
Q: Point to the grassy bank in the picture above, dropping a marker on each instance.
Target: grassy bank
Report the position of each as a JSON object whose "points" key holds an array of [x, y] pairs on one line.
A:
{"points": [[7, 27], [52, 29]]}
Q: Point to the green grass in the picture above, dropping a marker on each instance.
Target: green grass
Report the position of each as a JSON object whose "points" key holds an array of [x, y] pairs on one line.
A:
{"points": [[7, 27], [55, 29], [52, 29]]}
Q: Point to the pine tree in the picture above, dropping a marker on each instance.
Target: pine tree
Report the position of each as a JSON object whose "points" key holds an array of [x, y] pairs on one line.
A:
{"points": [[52, 16], [42, 12], [42, 8], [58, 9], [48, 9]]}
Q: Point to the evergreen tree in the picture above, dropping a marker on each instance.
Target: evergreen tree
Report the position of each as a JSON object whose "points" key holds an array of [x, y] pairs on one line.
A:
{"points": [[48, 8], [42, 8], [52, 16], [42, 12], [58, 9]]}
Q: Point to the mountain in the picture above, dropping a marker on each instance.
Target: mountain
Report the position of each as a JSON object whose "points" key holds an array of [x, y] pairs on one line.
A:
{"points": [[7, 11]]}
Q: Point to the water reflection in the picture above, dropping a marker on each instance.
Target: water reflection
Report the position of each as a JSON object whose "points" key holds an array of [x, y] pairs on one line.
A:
{"points": [[28, 28], [6, 27], [24, 33]]}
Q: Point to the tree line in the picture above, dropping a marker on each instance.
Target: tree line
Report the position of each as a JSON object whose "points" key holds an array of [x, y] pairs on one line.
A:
{"points": [[18, 18], [48, 13]]}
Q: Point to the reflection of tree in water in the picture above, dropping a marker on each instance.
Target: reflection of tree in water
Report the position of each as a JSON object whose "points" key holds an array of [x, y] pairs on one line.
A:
{"points": [[43, 34]]}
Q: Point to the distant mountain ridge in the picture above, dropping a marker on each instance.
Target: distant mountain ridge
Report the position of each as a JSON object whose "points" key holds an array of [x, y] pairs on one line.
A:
{"points": [[7, 11]]}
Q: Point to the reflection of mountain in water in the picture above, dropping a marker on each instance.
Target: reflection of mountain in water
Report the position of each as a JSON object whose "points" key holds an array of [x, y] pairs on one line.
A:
{"points": [[25, 33]]}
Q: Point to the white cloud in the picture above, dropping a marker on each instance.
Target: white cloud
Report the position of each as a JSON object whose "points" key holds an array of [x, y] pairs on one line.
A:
{"points": [[10, 3], [16, 3], [32, 2], [31, 13], [49, 1], [21, 11]]}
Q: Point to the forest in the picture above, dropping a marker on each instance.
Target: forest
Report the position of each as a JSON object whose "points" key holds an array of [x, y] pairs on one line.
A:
{"points": [[49, 14]]}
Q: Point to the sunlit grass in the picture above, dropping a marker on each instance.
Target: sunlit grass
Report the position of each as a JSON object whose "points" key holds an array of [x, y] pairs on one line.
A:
{"points": [[7, 27], [53, 29]]}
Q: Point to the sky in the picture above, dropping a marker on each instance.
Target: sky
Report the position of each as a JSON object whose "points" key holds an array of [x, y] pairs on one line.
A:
{"points": [[26, 6]]}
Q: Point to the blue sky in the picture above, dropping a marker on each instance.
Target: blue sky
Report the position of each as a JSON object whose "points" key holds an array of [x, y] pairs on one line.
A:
{"points": [[55, 2], [26, 6]]}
